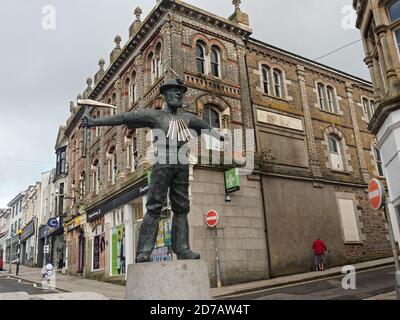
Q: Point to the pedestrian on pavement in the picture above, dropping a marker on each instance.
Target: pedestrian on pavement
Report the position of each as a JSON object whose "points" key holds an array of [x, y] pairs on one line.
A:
{"points": [[319, 248]]}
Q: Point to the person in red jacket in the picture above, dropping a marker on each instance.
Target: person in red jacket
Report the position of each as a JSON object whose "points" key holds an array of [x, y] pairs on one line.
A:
{"points": [[319, 248]]}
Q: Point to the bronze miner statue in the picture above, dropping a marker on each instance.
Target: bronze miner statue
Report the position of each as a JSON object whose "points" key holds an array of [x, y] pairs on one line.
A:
{"points": [[169, 175]]}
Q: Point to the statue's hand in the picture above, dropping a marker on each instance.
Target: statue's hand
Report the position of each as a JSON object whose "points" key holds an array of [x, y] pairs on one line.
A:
{"points": [[225, 137], [87, 122]]}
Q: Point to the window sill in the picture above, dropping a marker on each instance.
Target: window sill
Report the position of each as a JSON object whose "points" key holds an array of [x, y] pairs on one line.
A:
{"points": [[329, 112], [276, 98], [353, 243], [343, 172]]}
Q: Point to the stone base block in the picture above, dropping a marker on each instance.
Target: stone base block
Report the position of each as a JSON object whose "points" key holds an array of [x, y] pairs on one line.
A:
{"points": [[172, 280]]}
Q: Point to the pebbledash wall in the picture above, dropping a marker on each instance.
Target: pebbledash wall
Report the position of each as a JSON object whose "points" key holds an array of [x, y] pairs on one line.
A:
{"points": [[293, 196]]}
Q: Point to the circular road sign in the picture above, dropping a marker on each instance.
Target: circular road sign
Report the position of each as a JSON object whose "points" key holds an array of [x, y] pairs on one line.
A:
{"points": [[52, 223], [376, 194], [212, 218]]}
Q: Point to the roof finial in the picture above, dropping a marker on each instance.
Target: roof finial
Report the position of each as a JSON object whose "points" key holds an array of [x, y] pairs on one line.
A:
{"points": [[237, 3], [101, 64], [117, 41], [89, 82], [138, 13]]}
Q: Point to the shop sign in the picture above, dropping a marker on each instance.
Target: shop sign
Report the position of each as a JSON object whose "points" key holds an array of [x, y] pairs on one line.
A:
{"points": [[232, 180], [28, 231], [136, 192], [73, 224]]}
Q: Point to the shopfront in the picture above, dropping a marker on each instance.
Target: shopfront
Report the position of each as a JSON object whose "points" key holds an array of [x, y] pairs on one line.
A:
{"points": [[56, 244], [112, 228], [75, 246], [41, 244], [28, 244]]}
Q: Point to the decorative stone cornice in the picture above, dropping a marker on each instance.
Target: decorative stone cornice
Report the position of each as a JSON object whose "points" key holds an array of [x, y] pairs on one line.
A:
{"points": [[147, 27], [382, 112]]}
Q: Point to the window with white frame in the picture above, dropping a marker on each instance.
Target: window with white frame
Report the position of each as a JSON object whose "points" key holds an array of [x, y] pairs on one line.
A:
{"points": [[378, 161], [330, 92], [82, 184], [215, 61], [278, 83], [368, 109], [97, 129], [266, 71], [112, 165], [272, 81], [327, 100], [132, 151], [200, 58], [335, 153], [96, 177], [152, 62], [321, 96], [158, 61], [114, 103]]}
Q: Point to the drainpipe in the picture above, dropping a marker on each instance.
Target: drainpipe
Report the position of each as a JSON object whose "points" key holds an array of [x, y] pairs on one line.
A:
{"points": [[260, 174]]}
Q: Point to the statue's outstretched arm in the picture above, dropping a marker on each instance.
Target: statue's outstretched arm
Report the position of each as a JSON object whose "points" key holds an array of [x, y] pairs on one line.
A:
{"points": [[199, 125], [137, 119]]}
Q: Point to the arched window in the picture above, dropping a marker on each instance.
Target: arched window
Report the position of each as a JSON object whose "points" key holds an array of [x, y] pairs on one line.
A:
{"points": [[152, 63], [394, 10], [266, 71], [112, 165], [82, 184], [368, 108], [200, 58], [331, 99], [335, 153], [97, 129], [278, 82], [96, 177], [211, 116], [132, 89], [215, 61], [321, 96], [114, 103], [132, 151], [128, 90], [158, 61]]}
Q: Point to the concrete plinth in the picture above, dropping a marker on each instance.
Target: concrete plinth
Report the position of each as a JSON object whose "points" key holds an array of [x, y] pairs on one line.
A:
{"points": [[174, 280]]}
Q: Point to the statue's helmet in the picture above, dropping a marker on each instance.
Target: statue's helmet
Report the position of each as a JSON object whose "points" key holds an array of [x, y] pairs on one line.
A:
{"points": [[173, 83]]}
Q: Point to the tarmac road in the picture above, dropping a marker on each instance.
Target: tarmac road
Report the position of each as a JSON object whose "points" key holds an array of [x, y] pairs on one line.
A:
{"points": [[369, 284]]}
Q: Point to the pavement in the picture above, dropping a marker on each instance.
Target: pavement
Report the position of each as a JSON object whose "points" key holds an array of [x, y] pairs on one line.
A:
{"points": [[67, 283]]}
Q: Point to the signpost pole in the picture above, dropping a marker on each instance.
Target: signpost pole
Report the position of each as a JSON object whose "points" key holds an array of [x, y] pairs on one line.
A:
{"points": [[218, 266]]}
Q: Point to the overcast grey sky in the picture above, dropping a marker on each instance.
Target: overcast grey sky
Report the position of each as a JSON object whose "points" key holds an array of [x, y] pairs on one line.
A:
{"points": [[41, 71]]}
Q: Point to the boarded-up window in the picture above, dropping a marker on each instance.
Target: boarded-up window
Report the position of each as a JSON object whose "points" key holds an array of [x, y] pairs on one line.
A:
{"points": [[349, 220]]}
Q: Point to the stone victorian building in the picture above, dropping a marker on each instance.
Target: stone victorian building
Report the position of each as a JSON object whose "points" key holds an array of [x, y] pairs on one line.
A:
{"points": [[379, 23], [314, 155]]}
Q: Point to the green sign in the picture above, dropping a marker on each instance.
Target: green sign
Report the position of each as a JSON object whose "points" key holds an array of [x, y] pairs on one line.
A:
{"points": [[232, 180], [149, 174]]}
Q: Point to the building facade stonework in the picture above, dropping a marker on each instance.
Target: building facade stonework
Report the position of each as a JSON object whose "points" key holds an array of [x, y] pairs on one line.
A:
{"points": [[314, 154]]}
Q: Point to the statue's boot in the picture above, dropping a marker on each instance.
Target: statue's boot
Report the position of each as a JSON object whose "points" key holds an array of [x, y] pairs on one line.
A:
{"points": [[180, 238], [147, 238]]}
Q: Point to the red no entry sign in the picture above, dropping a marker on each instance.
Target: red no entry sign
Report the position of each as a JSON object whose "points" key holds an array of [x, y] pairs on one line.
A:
{"points": [[212, 218], [376, 194]]}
